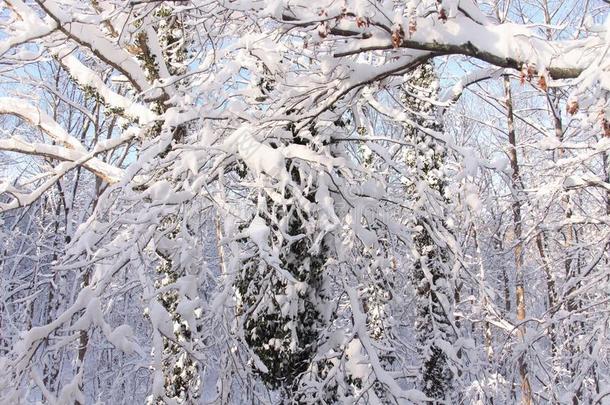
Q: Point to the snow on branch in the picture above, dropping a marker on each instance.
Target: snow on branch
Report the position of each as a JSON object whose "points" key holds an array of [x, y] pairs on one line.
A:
{"points": [[91, 37], [28, 27], [39, 119], [506, 45], [87, 77], [23, 198], [103, 170]]}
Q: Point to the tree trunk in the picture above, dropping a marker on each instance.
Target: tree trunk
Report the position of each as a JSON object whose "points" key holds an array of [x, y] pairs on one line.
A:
{"points": [[526, 391]]}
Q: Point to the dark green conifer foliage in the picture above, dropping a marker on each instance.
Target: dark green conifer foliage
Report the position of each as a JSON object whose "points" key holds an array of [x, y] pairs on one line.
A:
{"points": [[431, 271], [282, 320], [182, 381], [181, 371]]}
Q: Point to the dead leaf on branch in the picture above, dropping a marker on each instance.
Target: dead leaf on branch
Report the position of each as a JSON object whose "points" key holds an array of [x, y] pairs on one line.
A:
{"points": [[572, 107], [398, 35]]}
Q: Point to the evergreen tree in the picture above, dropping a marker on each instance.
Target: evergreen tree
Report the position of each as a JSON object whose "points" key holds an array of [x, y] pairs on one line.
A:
{"points": [[160, 45], [281, 298], [432, 259]]}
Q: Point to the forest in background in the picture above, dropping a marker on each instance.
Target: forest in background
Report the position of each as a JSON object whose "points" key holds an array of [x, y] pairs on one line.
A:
{"points": [[304, 202]]}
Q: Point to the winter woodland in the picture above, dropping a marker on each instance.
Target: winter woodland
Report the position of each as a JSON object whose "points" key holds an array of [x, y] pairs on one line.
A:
{"points": [[304, 202]]}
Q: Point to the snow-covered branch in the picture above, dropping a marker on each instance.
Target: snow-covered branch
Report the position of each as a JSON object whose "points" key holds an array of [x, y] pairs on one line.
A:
{"points": [[103, 170]]}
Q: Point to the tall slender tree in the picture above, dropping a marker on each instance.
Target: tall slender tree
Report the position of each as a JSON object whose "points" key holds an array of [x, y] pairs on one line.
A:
{"points": [[280, 278], [432, 251]]}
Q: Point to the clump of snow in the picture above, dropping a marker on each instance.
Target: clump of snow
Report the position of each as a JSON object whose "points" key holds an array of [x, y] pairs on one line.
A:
{"points": [[259, 157], [549, 143], [121, 337], [259, 231], [161, 319]]}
